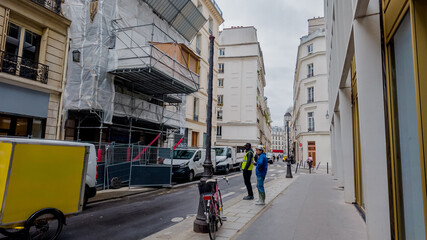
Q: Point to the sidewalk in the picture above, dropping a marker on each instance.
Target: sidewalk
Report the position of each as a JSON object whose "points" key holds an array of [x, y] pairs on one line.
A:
{"points": [[311, 208], [239, 213]]}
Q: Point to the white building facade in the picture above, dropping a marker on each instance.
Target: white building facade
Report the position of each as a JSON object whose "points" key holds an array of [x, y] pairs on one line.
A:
{"points": [[377, 83], [242, 113], [196, 103], [309, 118], [278, 140]]}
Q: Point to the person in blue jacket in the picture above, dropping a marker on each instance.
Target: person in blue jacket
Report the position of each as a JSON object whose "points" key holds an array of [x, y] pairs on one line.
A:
{"points": [[261, 171]]}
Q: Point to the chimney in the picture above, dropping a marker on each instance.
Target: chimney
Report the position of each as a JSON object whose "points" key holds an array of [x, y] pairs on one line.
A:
{"points": [[315, 23]]}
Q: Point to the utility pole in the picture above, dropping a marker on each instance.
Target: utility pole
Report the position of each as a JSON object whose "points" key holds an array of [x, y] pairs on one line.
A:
{"points": [[200, 224]]}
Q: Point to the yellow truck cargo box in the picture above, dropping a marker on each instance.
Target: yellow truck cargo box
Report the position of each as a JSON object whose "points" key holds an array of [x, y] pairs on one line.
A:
{"points": [[40, 174]]}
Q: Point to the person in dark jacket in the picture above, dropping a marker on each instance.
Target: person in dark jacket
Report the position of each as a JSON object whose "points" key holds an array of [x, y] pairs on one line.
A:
{"points": [[261, 172], [247, 166]]}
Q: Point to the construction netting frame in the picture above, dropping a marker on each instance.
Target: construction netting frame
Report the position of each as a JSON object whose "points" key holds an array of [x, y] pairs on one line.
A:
{"points": [[134, 165]]}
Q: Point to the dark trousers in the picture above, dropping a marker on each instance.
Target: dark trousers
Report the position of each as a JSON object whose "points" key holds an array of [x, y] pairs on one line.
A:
{"points": [[247, 177]]}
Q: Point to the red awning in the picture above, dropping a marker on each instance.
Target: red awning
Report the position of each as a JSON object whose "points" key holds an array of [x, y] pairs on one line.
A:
{"points": [[277, 151]]}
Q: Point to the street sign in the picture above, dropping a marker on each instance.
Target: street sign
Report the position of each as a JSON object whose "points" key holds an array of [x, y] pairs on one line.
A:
{"points": [[300, 144]]}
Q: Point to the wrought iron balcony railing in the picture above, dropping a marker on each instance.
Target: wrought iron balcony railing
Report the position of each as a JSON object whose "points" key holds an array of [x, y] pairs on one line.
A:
{"points": [[23, 67], [52, 5]]}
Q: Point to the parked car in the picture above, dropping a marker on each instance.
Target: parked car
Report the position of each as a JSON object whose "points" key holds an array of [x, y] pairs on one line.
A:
{"points": [[188, 163], [270, 157]]}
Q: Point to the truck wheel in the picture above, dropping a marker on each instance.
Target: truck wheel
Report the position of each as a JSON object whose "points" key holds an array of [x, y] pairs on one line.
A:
{"points": [[45, 224], [227, 169], [191, 176], [115, 183], [85, 197]]}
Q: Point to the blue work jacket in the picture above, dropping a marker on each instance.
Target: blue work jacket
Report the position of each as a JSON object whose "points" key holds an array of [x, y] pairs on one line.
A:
{"points": [[261, 165]]}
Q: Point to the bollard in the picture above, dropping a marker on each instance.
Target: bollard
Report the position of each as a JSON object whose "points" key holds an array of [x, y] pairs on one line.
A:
{"points": [[327, 168], [296, 169], [318, 165]]}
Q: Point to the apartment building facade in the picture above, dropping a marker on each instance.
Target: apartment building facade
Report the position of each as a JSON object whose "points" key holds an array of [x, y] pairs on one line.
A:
{"points": [[33, 49], [242, 114], [278, 140], [131, 67], [196, 103], [310, 112], [376, 53]]}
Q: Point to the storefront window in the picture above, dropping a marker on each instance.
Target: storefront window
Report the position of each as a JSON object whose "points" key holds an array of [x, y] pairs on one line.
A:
{"points": [[21, 127], [407, 129], [37, 128]]}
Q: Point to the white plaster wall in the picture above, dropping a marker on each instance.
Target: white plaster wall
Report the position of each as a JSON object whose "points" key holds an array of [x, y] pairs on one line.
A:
{"points": [[367, 50]]}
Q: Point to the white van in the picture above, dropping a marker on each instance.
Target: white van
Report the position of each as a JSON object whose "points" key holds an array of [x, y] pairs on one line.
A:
{"points": [[90, 187], [188, 163], [226, 159]]}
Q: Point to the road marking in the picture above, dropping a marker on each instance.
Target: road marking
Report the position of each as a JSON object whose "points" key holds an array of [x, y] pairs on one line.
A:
{"points": [[243, 188], [272, 175], [177, 219], [272, 170], [281, 171], [228, 194], [253, 184]]}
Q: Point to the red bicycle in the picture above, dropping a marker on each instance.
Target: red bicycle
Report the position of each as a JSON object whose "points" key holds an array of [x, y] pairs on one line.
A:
{"points": [[213, 207]]}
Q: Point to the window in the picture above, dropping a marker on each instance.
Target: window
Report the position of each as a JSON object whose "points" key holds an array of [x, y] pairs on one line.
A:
{"points": [[210, 26], [196, 109], [310, 49], [222, 51], [310, 69], [220, 82], [310, 94], [198, 42], [219, 115], [220, 100], [20, 42], [11, 125], [219, 131], [221, 68], [310, 121]]}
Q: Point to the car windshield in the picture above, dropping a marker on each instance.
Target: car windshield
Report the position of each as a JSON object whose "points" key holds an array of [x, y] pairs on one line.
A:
{"points": [[220, 151], [183, 154]]}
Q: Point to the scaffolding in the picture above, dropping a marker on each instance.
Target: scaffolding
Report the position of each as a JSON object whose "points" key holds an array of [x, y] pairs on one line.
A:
{"points": [[131, 63]]}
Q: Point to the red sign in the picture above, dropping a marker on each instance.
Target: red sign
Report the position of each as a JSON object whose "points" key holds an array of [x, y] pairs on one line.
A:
{"points": [[300, 144], [277, 151]]}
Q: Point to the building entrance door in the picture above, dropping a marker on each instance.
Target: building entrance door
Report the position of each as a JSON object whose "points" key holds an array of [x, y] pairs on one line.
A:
{"points": [[194, 139], [312, 151]]}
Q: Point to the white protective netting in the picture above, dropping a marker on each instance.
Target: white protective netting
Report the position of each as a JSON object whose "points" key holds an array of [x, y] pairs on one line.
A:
{"points": [[112, 34]]}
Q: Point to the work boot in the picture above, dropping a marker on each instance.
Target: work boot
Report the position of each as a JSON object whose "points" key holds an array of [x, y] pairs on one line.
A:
{"points": [[248, 197], [261, 200]]}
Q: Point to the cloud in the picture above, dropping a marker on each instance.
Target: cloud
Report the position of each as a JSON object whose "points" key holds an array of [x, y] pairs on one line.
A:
{"points": [[280, 24]]}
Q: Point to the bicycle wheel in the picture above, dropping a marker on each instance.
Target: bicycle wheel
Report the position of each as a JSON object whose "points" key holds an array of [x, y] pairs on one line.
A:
{"points": [[45, 225], [220, 206], [212, 223]]}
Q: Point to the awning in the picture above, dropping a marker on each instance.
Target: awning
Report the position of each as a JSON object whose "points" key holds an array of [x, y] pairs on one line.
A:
{"points": [[183, 15]]}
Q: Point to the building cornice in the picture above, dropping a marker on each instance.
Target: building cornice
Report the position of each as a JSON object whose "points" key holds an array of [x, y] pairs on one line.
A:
{"points": [[212, 9]]}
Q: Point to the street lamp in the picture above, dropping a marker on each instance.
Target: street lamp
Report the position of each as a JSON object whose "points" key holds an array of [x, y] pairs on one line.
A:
{"points": [[288, 118], [200, 225]]}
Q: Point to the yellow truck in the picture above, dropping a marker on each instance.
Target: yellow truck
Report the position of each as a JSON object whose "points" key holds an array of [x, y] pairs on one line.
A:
{"points": [[41, 182]]}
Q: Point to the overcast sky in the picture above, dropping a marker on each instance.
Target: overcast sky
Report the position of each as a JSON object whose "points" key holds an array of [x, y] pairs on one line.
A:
{"points": [[279, 24]]}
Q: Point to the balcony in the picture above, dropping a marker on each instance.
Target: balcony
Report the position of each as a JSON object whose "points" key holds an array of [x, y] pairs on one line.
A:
{"points": [[22, 67], [52, 5]]}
